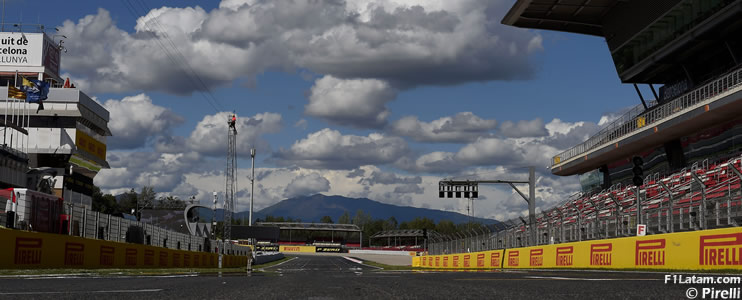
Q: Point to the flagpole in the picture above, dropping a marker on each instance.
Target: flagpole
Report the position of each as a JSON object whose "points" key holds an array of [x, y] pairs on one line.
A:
{"points": [[5, 131]]}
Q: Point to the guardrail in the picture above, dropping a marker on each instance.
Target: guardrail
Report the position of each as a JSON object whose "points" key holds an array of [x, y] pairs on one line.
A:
{"points": [[689, 200], [638, 117], [95, 225]]}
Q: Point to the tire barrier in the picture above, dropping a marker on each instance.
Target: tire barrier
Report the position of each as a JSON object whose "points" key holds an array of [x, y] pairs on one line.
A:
{"points": [[718, 249], [33, 250]]}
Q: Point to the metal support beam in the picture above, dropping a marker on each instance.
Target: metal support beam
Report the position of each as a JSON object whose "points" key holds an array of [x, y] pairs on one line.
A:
{"points": [[702, 207], [640, 96], [654, 92], [670, 223], [731, 52]]}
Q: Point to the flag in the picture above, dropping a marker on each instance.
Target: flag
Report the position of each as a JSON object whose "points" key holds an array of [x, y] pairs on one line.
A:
{"points": [[14, 92], [36, 91], [27, 83], [67, 83]]}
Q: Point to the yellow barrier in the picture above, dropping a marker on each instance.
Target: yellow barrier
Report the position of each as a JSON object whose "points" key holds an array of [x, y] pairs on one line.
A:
{"points": [[695, 250], [304, 249], [26, 250]]}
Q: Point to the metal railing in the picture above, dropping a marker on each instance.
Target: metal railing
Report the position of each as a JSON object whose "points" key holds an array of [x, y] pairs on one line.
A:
{"points": [[96, 225], [675, 203], [638, 117]]}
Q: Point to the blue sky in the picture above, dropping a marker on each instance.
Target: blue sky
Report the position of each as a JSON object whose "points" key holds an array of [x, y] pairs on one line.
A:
{"points": [[339, 98]]}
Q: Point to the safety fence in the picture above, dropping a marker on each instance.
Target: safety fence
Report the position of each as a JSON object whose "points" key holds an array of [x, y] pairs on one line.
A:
{"points": [[26, 250], [83, 222], [639, 117], [705, 196], [718, 249]]}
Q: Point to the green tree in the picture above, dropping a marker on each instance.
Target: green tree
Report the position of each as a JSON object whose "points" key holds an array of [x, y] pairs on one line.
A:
{"points": [[445, 227], [104, 203], [170, 202], [345, 218], [128, 201], [147, 197], [325, 219], [390, 224]]}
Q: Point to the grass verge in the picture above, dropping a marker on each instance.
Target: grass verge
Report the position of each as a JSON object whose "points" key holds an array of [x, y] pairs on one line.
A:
{"points": [[663, 271], [273, 263], [123, 272], [386, 267]]}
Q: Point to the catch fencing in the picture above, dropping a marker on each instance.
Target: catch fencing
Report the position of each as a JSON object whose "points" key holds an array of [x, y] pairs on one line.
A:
{"points": [[705, 196]]}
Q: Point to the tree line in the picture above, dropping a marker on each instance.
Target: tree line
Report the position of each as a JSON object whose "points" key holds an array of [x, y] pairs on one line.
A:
{"points": [[370, 226], [128, 202]]}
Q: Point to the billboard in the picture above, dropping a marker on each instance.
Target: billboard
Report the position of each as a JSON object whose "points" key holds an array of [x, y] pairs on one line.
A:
{"points": [[29, 50]]}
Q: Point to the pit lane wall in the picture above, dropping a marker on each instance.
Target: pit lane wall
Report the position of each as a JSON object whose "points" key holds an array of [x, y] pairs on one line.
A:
{"points": [[29, 250], [696, 250]]}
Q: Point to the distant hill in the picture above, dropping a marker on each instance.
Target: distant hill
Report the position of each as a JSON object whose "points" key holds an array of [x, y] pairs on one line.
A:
{"points": [[312, 208]]}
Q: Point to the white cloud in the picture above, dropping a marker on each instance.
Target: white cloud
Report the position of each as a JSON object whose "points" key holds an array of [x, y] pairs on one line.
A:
{"points": [[135, 120], [210, 135], [354, 102], [304, 185], [329, 149], [524, 128], [462, 127], [405, 43]]}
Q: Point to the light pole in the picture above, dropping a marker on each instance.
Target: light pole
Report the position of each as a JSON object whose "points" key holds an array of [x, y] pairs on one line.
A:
{"points": [[252, 183]]}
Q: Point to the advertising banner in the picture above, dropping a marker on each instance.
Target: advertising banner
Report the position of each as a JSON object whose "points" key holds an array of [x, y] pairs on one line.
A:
{"points": [[719, 249]]}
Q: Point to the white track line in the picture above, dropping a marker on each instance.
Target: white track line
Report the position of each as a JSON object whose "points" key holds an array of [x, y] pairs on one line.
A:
{"points": [[591, 279], [83, 292], [360, 262]]}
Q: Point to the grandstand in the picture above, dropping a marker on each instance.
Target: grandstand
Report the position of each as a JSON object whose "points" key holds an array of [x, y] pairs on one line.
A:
{"points": [[326, 235], [672, 163]]}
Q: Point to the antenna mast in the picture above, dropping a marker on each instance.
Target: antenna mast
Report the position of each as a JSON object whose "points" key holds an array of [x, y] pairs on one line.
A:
{"points": [[231, 174]]}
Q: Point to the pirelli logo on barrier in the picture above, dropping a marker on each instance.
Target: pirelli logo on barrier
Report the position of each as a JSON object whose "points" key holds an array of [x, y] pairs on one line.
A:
{"points": [[106, 255], [721, 250], [74, 254], [424, 259], [27, 251], [601, 254], [495, 259], [565, 256], [176, 260], [328, 249], [149, 257], [513, 258], [187, 260], [650, 253], [467, 260], [195, 261], [480, 260], [455, 261], [274, 248], [163, 258], [130, 258], [430, 262], [291, 249], [445, 261], [437, 261], [537, 257]]}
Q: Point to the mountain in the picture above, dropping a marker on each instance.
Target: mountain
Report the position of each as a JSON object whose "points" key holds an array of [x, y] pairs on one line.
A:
{"points": [[312, 208]]}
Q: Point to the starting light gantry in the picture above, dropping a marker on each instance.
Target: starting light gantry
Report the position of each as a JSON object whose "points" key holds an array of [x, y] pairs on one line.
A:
{"points": [[470, 189]]}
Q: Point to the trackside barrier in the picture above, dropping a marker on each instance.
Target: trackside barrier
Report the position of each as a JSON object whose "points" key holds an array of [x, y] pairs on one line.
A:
{"points": [[694, 250], [303, 249], [28, 250]]}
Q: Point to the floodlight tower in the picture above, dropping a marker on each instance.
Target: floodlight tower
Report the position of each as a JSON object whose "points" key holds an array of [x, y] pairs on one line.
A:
{"points": [[231, 174]]}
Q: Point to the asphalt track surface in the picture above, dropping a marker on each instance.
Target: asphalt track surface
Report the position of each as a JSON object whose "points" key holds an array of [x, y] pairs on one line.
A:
{"points": [[332, 277]]}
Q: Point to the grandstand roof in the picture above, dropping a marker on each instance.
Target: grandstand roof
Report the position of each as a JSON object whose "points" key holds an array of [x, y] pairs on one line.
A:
{"points": [[578, 16], [313, 226], [404, 233]]}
